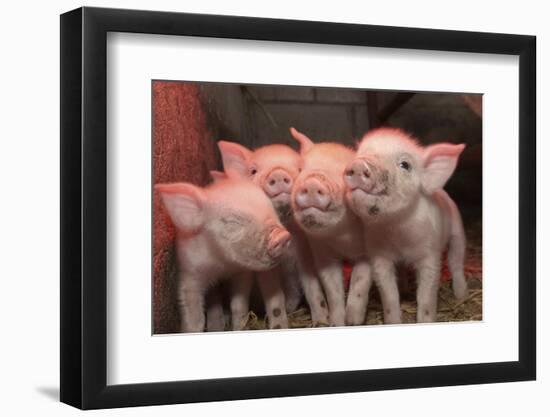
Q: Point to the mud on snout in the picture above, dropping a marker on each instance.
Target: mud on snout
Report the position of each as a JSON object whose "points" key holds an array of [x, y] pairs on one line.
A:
{"points": [[368, 184]]}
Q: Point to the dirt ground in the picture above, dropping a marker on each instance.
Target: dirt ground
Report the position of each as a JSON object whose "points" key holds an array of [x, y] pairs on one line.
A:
{"points": [[449, 309]]}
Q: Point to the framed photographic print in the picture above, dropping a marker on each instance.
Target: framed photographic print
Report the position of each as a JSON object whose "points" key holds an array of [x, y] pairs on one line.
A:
{"points": [[258, 208]]}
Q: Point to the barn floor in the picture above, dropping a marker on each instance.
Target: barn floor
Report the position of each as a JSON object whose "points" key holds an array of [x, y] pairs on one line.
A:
{"points": [[449, 309]]}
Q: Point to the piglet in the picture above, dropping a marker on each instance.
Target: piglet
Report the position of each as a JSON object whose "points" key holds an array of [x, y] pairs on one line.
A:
{"points": [[396, 187], [273, 168], [333, 231], [227, 229]]}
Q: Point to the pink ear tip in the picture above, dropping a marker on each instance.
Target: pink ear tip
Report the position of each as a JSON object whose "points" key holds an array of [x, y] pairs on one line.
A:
{"points": [[460, 147]]}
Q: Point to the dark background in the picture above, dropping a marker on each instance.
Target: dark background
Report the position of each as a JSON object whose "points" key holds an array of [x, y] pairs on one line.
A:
{"points": [[189, 117]]}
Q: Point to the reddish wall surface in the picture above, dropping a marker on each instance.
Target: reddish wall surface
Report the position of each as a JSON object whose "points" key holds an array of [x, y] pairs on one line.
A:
{"points": [[183, 150]]}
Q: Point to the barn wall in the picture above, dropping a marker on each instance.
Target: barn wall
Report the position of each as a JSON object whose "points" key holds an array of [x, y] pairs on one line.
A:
{"points": [[321, 113], [183, 150]]}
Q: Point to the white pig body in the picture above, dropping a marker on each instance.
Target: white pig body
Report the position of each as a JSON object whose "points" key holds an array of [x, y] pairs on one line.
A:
{"points": [[333, 231], [273, 168], [228, 229], [396, 187]]}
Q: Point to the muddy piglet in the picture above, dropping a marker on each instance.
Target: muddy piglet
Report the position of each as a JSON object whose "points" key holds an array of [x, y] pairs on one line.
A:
{"points": [[396, 187], [273, 168], [333, 231], [226, 229]]}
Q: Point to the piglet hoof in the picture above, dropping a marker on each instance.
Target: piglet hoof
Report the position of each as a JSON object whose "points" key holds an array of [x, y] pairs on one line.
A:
{"points": [[425, 319], [280, 324], [239, 323], [426, 315], [390, 318], [460, 289], [354, 318], [338, 320], [240, 326], [215, 323], [319, 318], [193, 328], [319, 321]]}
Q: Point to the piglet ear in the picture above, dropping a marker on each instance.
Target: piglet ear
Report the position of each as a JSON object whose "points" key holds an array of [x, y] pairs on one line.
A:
{"points": [[439, 164], [218, 176], [305, 143], [185, 205], [235, 157]]}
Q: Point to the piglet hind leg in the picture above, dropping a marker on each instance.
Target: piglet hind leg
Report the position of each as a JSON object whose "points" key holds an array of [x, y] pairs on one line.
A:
{"points": [[191, 303], [274, 298], [457, 249], [358, 295], [428, 275], [215, 318], [315, 299], [384, 275], [240, 299]]}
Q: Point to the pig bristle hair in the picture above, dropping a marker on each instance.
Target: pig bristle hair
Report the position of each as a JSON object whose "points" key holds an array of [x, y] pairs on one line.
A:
{"points": [[334, 145], [391, 132], [280, 146]]}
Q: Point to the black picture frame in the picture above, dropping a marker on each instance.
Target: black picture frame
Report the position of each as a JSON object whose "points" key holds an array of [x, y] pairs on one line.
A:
{"points": [[84, 207]]}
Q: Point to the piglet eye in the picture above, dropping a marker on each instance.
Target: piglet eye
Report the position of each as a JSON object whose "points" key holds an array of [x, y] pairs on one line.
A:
{"points": [[405, 165], [253, 171]]}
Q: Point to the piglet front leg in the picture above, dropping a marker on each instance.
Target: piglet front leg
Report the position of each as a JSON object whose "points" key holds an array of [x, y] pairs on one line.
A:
{"points": [[386, 280], [332, 278], [274, 298], [314, 297], [313, 291], [358, 295], [191, 303], [428, 275]]}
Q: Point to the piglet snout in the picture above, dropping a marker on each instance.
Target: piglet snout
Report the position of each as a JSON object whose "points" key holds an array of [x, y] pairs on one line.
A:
{"points": [[277, 182], [359, 174], [312, 193], [279, 239]]}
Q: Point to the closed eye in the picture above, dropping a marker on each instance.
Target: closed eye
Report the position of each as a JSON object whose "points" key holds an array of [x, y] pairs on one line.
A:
{"points": [[236, 220], [232, 221]]}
